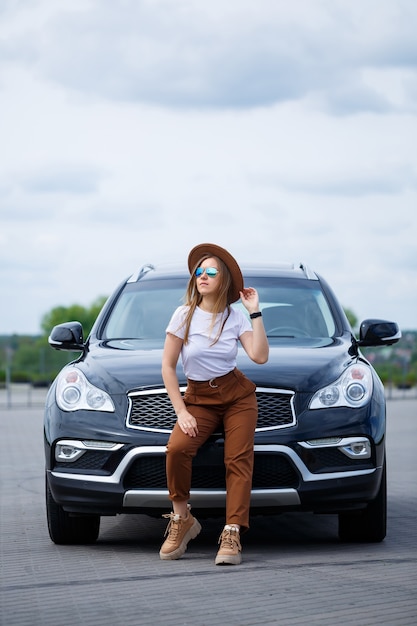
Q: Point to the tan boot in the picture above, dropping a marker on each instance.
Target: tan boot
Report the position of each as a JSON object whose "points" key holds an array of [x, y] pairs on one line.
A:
{"points": [[230, 551], [178, 533]]}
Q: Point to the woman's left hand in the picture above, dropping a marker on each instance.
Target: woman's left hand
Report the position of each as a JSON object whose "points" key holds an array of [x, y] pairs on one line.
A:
{"points": [[255, 342], [250, 299]]}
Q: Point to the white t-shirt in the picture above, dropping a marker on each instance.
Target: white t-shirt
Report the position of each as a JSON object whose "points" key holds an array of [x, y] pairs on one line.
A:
{"points": [[201, 360]]}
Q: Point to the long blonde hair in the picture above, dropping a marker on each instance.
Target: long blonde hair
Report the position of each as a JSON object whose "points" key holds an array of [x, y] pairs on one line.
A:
{"points": [[193, 298]]}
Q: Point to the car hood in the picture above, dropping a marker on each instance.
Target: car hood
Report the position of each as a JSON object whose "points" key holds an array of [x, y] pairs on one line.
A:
{"points": [[120, 366], [307, 367]]}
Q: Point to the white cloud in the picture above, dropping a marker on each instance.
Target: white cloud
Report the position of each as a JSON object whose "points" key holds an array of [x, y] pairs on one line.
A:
{"points": [[133, 130], [63, 179], [236, 54]]}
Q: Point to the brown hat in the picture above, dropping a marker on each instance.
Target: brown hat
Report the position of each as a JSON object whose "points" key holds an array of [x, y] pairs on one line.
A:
{"points": [[211, 249]]}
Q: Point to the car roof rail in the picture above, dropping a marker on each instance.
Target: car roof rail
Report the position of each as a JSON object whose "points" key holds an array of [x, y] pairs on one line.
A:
{"points": [[308, 272], [148, 267]]}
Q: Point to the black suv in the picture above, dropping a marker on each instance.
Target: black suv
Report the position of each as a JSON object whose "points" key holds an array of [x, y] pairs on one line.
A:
{"points": [[320, 438]]}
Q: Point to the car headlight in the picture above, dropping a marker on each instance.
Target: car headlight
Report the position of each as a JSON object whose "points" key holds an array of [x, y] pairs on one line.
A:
{"points": [[352, 389], [75, 392]]}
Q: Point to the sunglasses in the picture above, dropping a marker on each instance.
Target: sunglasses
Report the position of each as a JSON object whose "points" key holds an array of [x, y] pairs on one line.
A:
{"points": [[211, 272]]}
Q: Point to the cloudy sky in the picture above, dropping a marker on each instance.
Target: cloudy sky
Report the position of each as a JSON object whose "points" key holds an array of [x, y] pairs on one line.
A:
{"points": [[131, 130]]}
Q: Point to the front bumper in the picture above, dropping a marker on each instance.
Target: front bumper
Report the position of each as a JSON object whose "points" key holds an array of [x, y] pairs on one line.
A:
{"points": [[128, 491]]}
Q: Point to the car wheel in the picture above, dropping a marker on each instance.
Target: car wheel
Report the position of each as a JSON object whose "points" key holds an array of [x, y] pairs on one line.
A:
{"points": [[66, 529], [369, 525]]}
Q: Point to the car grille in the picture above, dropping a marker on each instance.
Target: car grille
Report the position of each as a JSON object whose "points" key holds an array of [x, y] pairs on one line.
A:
{"points": [[152, 410], [271, 471]]}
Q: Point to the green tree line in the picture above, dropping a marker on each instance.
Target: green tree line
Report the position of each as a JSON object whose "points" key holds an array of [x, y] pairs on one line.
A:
{"points": [[31, 359]]}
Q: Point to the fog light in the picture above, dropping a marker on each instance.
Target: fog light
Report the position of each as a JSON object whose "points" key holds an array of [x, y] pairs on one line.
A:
{"points": [[67, 452], [357, 449]]}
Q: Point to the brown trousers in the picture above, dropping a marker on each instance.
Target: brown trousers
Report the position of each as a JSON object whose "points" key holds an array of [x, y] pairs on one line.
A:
{"points": [[228, 402]]}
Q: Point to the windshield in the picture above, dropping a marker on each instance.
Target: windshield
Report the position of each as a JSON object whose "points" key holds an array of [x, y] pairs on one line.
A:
{"points": [[290, 308], [293, 308], [143, 310]]}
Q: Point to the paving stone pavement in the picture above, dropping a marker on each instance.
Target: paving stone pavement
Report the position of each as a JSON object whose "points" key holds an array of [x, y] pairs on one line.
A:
{"points": [[295, 571]]}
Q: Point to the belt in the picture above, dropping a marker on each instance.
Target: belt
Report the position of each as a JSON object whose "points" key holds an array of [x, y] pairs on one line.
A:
{"points": [[213, 381]]}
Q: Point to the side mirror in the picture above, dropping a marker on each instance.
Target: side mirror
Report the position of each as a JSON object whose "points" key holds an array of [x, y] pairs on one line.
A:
{"points": [[378, 333], [68, 336]]}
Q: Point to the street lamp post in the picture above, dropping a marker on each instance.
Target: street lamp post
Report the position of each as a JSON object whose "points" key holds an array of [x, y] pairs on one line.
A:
{"points": [[9, 356]]}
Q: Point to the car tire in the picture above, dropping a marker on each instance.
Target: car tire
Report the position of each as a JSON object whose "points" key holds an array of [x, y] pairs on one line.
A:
{"points": [[66, 529], [369, 525]]}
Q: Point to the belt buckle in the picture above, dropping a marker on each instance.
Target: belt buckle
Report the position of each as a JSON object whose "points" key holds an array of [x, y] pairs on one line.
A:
{"points": [[211, 383]]}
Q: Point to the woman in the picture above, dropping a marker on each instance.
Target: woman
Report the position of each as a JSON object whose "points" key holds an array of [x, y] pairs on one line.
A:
{"points": [[205, 332]]}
